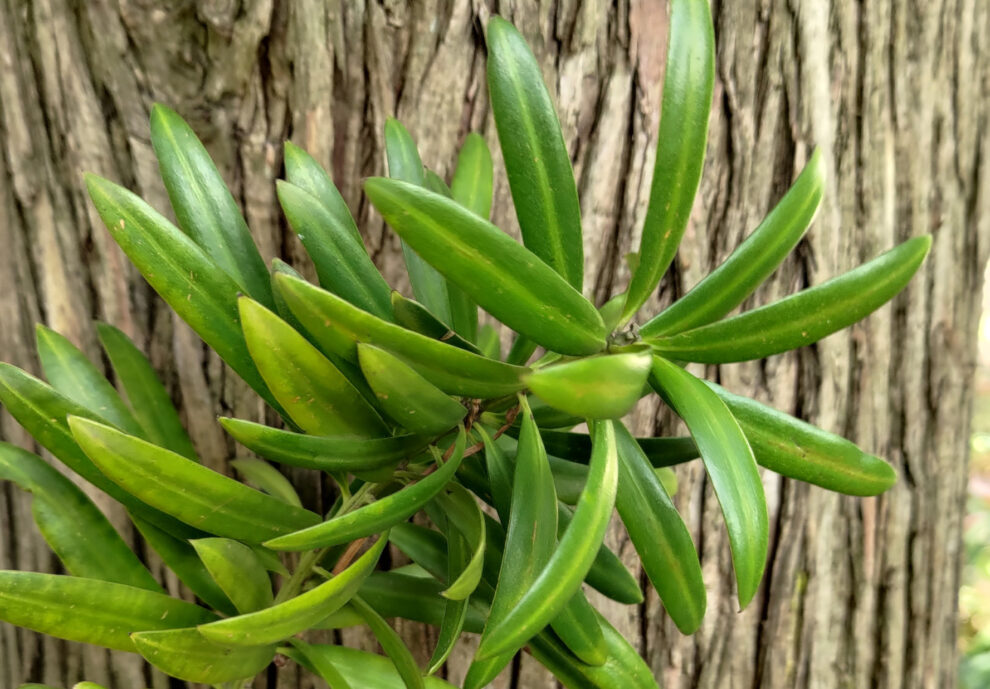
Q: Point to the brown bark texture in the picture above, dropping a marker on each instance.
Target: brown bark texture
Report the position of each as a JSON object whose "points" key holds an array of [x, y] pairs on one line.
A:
{"points": [[858, 593]]}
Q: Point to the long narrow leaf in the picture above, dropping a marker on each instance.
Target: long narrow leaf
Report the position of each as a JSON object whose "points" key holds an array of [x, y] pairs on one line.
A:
{"points": [[506, 279], [752, 262], [149, 400], [204, 206], [290, 617], [318, 397], [393, 645], [190, 282], [659, 535], [361, 669], [471, 187], [238, 571], [89, 610], [404, 163], [681, 142], [802, 318], [183, 561], [342, 265], [339, 326], [562, 575], [188, 491], [408, 398], [731, 468], [302, 170], [74, 528], [72, 374], [377, 516], [331, 454], [798, 450], [536, 160], [186, 654], [42, 412]]}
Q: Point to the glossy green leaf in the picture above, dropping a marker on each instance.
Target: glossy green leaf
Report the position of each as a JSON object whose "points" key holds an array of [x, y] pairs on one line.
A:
{"points": [[530, 540], [267, 478], [296, 614], [624, 668], [434, 182], [180, 557], [404, 163], [186, 278], [731, 468], [471, 187], [536, 159], [186, 654], [393, 645], [238, 571], [562, 575], [611, 311], [72, 374], [362, 670], [318, 664], [376, 516], [521, 350], [408, 398], [751, 263], [599, 387], [466, 516], [338, 326], [454, 611], [87, 685], [488, 341], [205, 208], [397, 594], [425, 547], [472, 183], [607, 574], [681, 143], [74, 528], [149, 401], [349, 369], [798, 450], [414, 316], [576, 447], [317, 396], [95, 612], [570, 477], [500, 470], [802, 318], [332, 454], [189, 492], [302, 170], [342, 265], [43, 412], [659, 535], [506, 279]]}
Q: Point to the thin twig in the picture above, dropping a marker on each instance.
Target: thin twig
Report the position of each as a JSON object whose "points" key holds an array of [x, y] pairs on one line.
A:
{"points": [[345, 559]]}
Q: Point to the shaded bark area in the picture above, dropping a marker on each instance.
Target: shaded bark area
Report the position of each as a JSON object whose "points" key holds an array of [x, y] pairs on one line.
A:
{"points": [[859, 593]]}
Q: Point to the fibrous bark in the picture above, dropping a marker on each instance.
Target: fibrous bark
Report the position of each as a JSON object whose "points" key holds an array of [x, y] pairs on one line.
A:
{"points": [[859, 593]]}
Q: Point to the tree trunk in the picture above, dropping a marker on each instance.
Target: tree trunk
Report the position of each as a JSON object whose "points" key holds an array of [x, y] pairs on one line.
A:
{"points": [[858, 593]]}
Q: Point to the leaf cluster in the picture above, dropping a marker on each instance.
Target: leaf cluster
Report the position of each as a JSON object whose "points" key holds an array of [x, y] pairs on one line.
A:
{"points": [[407, 406]]}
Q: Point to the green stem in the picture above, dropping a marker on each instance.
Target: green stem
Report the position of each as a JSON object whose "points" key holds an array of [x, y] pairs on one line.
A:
{"points": [[312, 558]]}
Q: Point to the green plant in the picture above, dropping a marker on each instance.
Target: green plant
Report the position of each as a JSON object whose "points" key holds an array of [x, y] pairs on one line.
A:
{"points": [[407, 406]]}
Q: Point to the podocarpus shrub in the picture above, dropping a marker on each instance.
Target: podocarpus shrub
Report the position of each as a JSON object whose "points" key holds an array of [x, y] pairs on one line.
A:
{"points": [[407, 405]]}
